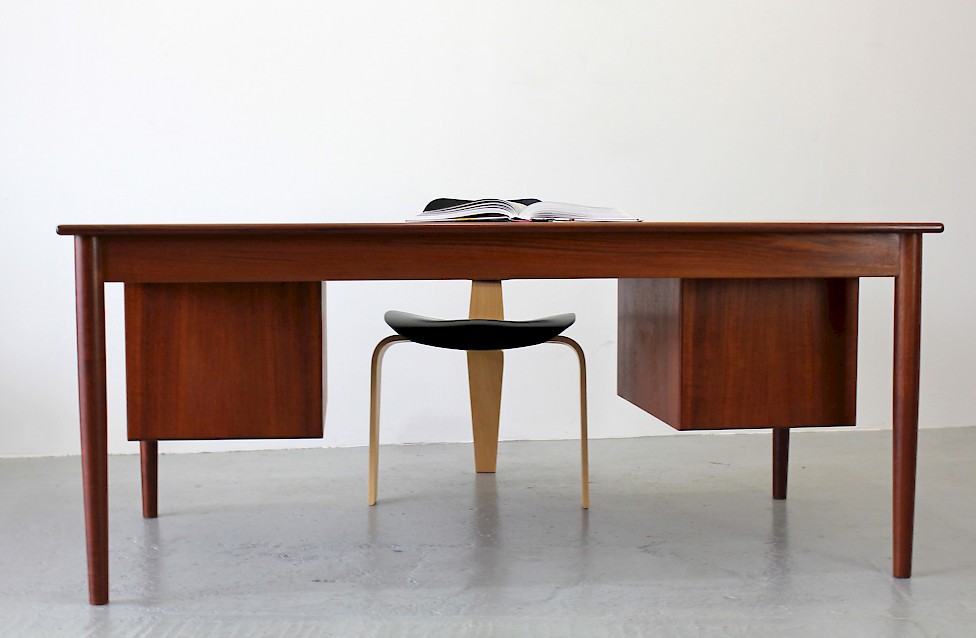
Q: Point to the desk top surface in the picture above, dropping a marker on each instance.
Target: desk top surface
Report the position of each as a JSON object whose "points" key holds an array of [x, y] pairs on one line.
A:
{"points": [[474, 228]]}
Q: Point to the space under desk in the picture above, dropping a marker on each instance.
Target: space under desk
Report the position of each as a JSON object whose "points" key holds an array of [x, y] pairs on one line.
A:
{"points": [[720, 325]]}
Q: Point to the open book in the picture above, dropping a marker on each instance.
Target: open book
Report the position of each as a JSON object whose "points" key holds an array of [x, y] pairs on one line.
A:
{"points": [[487, 210]]}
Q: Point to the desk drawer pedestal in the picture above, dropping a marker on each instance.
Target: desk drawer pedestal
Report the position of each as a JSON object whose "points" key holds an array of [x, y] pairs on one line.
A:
{"points": [[224, 360], [711, 354]]}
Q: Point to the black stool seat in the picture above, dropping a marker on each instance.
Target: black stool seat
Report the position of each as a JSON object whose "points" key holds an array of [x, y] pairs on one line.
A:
{"points": [[477, 334]]}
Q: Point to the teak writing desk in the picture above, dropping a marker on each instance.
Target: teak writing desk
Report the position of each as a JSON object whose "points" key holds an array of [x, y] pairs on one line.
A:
{"points": [[721, 325]]}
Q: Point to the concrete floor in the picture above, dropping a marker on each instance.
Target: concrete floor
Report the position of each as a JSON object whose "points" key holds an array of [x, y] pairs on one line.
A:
{"points": [[682, 540]]}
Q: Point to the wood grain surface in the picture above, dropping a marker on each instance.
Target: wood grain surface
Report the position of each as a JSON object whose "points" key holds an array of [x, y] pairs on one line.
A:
{"points": [[495, 251], [224, 361], [739, 353]]}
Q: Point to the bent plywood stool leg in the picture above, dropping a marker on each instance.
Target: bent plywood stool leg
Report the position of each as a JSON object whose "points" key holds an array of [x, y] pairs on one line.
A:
{"points": [[485, 369], [584, 447], [374, 413], [374, 410]]}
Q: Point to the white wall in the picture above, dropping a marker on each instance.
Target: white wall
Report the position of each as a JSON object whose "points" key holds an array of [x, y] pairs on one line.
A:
{"points": [[302, 111]]}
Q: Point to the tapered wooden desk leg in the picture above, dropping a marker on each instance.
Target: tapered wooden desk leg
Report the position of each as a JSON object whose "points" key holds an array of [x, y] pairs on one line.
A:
{"points": [[90, 315], [781, 462], [485, 370], [908, 307], [149, 456]]}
